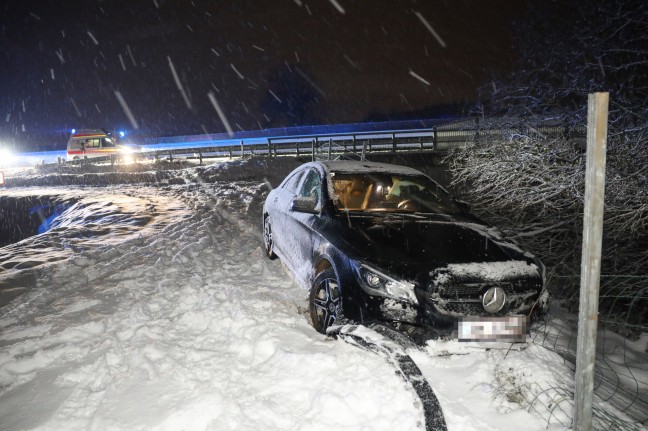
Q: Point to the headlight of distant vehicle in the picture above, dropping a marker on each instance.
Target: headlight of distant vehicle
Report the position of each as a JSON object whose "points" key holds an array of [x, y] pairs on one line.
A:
{"points": [[7, 156], [376, 282]]}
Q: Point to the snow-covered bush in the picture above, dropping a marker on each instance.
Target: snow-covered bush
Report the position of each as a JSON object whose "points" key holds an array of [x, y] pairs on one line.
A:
{"points": [[532, 183]]}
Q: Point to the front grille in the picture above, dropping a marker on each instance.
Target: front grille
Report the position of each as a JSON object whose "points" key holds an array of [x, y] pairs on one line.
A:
{"points": [[476, 290], [466, 298], [461, 291], [468, 308]]}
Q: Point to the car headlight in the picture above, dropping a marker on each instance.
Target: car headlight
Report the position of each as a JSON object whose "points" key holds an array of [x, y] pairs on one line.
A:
{"points": [[378, 283]]}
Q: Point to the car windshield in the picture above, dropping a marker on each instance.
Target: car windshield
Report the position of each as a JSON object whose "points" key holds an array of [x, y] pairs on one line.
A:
{"points": [[384, 192]]}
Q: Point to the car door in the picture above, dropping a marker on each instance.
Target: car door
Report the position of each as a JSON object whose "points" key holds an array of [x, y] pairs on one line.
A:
{"points": [[299, 227], [280, 213]]}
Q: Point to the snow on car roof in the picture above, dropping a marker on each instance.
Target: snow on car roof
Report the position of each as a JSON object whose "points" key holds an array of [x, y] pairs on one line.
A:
{"points": [[354, 166]]}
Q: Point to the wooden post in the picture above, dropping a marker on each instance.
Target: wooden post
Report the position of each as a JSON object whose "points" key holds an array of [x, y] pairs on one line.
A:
{"points": [[597, 117]]}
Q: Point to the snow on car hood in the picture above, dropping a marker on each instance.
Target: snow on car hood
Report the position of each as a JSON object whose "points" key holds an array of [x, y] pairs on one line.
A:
{"points": [[413, 247], [487, 271]]}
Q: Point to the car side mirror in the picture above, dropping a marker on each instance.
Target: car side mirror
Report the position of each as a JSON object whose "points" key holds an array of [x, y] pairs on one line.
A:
{"points": [[304, 205]]}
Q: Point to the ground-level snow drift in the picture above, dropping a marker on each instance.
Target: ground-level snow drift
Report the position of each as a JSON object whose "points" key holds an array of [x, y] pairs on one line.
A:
{"points": [[189, 326], [71, 220]]}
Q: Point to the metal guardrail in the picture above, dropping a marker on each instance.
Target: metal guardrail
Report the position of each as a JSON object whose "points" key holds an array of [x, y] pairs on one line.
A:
{"points": [[437, 139]]}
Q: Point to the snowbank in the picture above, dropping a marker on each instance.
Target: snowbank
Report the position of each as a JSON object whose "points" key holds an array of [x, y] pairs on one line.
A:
{"points": [[182, 323]]}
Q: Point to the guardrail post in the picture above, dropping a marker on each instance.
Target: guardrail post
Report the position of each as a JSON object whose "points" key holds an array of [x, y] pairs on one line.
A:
{"points": [[242, 149], [597, 118], [329, 150], [230, 151], [269, 147], [297, 149], [170, 157], [394, 142], [112, 159], [200, 156], [313, 149], [354, 143], [364, 151], [434, 138]]}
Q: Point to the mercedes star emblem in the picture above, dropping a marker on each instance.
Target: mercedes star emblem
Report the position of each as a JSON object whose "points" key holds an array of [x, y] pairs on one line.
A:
{"points": [[494, 299]]}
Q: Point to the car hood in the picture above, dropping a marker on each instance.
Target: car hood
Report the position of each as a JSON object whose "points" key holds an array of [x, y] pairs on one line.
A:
{"points": [[413, 246]]}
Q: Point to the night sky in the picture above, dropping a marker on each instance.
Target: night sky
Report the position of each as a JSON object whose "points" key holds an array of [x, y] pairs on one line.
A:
{"points": [[149, 66]]}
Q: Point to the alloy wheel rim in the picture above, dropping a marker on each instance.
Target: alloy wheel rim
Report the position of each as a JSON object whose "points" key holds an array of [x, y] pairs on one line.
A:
{"points": [[267, 236], [327, 302]]}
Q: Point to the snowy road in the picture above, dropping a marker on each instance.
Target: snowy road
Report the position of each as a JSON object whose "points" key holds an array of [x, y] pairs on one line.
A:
{"points": [[188, 326]]}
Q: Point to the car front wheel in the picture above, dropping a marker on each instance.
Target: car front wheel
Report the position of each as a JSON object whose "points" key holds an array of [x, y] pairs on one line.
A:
{"points": [[268, 245], [325, 300]]}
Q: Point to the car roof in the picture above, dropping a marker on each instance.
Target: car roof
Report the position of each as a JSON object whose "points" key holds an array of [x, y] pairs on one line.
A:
{"points": [[355, 166]]}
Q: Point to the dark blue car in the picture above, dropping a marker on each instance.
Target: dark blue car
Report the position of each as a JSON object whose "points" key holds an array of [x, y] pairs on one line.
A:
{"points": [[380, 242]]}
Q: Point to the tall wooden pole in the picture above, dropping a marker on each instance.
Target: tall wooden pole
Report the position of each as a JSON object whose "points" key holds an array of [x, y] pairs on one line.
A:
{"points": [[597, 117]]}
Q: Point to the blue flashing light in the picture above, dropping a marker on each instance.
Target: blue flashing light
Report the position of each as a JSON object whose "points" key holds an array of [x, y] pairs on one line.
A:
{"points": [[73, 131], [122, 133]]}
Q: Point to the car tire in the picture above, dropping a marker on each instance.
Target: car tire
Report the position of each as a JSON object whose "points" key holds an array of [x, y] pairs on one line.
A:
{"points": [[268, 244], [325, 300]]}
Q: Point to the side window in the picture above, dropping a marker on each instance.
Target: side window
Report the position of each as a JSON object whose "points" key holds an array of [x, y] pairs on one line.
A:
{"points": [[292, 182], [312, 185], [92, 143], [107, 142]]}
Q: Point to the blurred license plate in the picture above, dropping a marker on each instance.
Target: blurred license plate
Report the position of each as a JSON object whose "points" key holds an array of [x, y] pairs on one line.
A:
{"points": [[510, 329]]}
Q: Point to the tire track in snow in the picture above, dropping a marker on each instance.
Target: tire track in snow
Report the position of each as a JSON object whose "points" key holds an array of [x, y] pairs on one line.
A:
{"points": [[407, 368]]}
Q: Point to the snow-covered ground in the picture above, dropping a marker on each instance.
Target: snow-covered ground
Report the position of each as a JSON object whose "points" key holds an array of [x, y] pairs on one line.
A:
{"points": [[178, 321]]}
